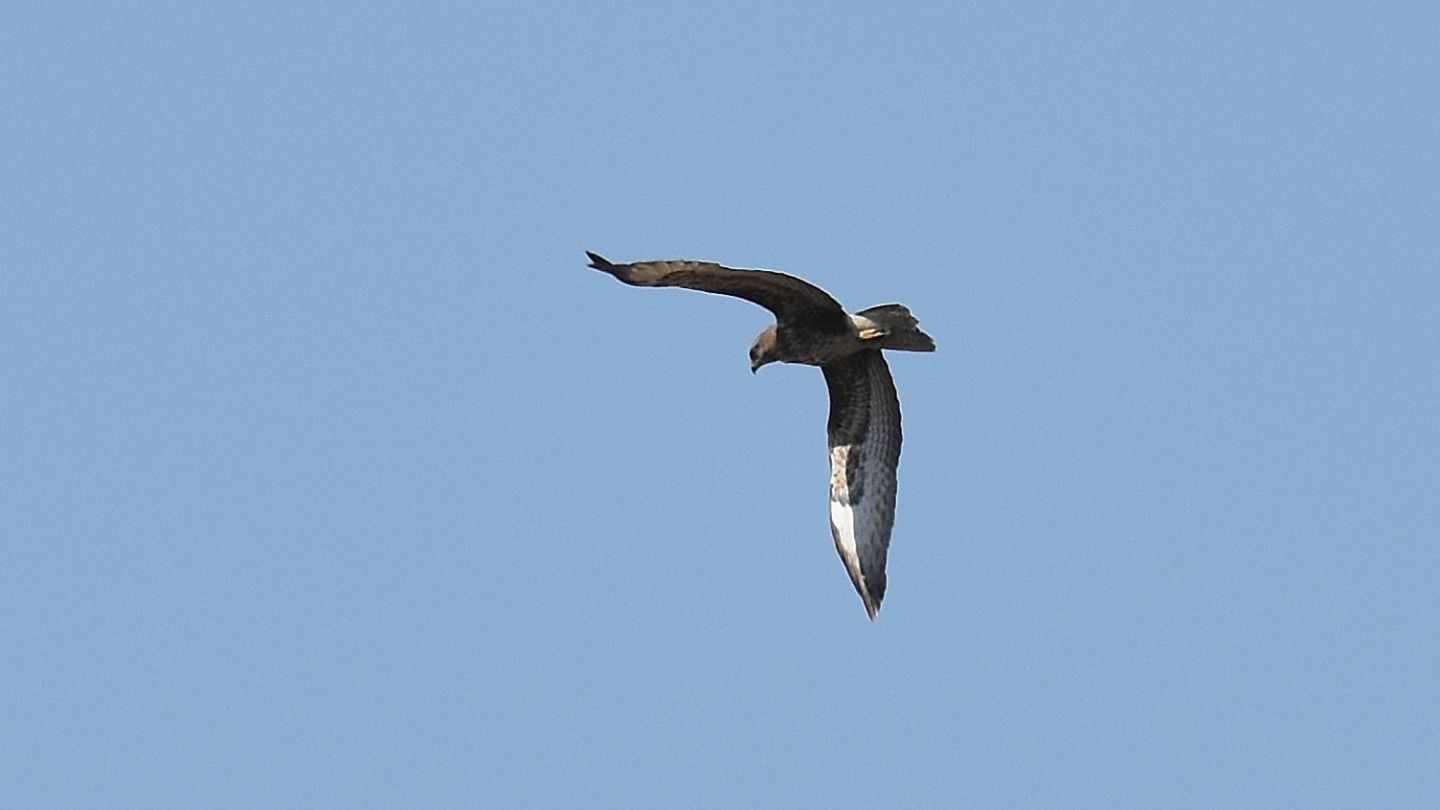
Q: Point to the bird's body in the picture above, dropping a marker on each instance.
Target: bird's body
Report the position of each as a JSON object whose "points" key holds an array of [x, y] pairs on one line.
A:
{"points": [[811, 328]]}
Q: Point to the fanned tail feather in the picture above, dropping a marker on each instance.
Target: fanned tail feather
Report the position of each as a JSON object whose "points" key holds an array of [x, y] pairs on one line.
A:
{"points": [[902, 331]]}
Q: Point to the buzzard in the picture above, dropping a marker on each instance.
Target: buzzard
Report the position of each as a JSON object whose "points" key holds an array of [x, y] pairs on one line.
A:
{"points": [[864, 428]]}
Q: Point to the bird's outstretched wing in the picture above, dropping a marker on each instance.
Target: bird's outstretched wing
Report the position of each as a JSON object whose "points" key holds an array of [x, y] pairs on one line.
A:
{"points": [[864, 432], [785, 295]]}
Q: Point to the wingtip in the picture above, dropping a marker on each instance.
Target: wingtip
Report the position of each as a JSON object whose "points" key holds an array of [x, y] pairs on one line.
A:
{"points": [[871, 589], [868, 597], [597, 261]]}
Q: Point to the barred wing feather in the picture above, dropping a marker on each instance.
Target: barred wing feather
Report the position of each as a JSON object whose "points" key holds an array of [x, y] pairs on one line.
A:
{"points": [[864, 434]]}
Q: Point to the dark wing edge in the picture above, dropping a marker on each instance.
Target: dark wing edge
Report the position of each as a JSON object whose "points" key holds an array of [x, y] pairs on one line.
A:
{"points": [[864, 436], [783, 294]]}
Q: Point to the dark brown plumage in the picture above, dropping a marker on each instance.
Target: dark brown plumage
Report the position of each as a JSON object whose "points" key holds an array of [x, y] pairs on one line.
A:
{"points": [[864, 425]]}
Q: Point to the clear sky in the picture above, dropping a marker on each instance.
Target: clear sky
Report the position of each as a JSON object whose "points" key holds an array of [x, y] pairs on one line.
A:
{"points": [[331, 477]]}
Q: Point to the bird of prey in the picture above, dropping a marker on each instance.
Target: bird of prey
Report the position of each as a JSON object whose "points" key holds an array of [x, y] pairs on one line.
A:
{"points": [[864, 428]]}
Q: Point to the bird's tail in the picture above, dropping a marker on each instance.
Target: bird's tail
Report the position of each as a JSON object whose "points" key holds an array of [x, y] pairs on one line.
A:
{"points": [[901, 329]]}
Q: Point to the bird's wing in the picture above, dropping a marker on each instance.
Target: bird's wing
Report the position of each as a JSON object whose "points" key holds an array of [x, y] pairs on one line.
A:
{"points": [[864, 433], [785, 295]]}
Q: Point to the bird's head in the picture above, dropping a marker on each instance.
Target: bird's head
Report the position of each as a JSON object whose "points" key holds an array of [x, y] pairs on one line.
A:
{"points": [[763, 350]]}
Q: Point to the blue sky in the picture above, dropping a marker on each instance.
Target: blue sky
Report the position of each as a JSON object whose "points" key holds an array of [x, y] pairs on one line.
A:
{"points": [[332, 477]]}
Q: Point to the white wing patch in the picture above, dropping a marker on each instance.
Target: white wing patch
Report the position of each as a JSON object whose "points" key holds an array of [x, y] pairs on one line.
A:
{"points": [[854, 529]]}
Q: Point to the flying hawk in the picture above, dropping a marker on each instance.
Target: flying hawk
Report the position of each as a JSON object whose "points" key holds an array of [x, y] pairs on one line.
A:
{"points": [[864, 429]]}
